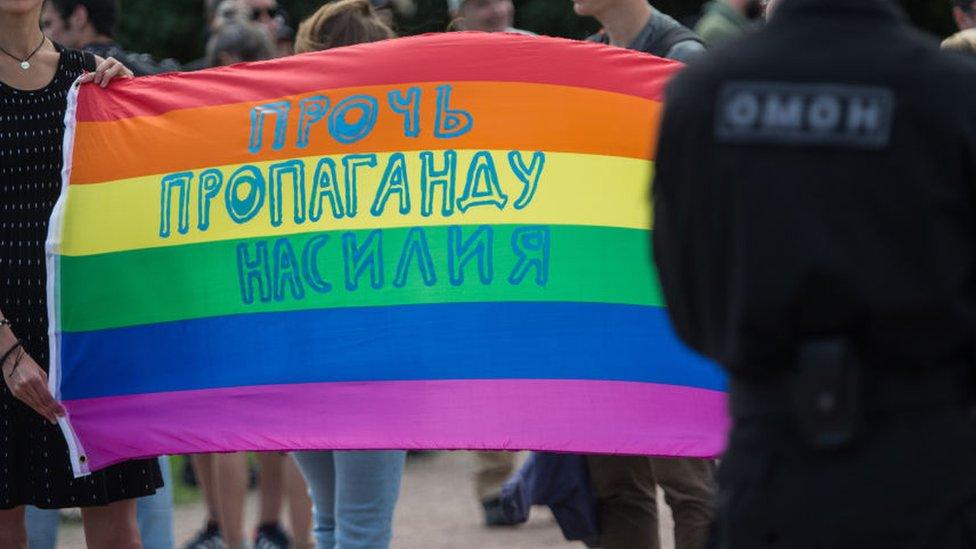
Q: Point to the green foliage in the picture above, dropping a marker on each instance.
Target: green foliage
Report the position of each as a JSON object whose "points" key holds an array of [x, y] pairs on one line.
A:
{"points": [[181, 492], [175, 28]]}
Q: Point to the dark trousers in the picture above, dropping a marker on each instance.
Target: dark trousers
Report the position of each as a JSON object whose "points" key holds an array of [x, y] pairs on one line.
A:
{"points": [[907, 480], [626, 487]]}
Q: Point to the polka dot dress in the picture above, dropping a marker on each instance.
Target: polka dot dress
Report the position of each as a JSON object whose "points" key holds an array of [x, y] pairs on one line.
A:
{"points": [[34, 466]]}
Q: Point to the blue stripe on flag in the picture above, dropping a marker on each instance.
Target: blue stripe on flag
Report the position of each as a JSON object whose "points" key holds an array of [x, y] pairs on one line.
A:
{"points": [[588, 341]]}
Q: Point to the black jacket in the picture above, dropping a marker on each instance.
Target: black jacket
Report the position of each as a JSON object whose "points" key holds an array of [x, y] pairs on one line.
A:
{"points": [[817, 179]]}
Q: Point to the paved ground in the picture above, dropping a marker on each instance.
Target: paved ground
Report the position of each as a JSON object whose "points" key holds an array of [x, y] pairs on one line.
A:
{"points": [[437, 510]]}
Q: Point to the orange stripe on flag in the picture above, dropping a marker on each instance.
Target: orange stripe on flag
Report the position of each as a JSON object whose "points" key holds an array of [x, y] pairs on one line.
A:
{"points": [[506, 116]]}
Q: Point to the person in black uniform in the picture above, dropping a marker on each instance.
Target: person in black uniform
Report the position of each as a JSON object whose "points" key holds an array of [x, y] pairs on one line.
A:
{"points": [[815, 234]]}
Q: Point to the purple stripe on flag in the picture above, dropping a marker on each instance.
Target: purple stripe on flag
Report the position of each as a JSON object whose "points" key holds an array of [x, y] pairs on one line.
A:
{"points": [[550, 415]]}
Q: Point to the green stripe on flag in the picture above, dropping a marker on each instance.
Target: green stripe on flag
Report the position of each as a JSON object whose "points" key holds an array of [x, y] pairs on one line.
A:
{"points": [[584, 264]]}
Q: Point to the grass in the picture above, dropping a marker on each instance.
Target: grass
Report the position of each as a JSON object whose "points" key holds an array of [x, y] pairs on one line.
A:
{"points": [[182, 493]]}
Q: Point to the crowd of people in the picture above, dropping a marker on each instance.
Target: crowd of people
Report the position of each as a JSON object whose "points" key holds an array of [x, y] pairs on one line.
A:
{"points": [[342, 499]]}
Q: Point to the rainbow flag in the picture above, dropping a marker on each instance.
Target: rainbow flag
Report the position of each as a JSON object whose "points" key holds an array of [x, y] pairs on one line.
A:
{"points": [[438, 242]]}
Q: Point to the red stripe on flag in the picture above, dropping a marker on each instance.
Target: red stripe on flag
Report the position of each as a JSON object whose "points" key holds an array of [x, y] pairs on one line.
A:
{"points": [[498, 57]]}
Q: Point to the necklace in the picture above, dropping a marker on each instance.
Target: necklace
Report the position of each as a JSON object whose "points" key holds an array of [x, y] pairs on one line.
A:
{"points": [[25, 62]]}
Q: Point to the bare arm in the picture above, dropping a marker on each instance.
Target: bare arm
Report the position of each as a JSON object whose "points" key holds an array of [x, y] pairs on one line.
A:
{"points": [[26, 380]]}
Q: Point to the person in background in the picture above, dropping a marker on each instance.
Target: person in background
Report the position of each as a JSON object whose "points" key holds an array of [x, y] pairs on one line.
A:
{"points": [[725, 20], [353, 493], [237, 42], [90, 25], [483, 15], [962, 41], [223, 478], [273, 18], [264, 15], [492, 468], [626, 486], [636, 25], [964, 13]]}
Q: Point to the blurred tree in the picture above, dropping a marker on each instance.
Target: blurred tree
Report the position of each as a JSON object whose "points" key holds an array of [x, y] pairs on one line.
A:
{"points": [[175, 28]]}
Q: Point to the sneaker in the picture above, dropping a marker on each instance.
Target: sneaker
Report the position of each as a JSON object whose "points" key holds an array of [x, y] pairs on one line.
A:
{"points": [[208, 538], [494, 514], [271, 536]]}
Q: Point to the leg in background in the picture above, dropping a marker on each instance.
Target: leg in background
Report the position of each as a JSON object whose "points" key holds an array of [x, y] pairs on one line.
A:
{"points": [[689, 489], [299, 505], [271, 486], [367, 487], [318, 468], [627, 492], [155, 513], [42, 528], [494, 468], [203, 468], [209, 536], [112, 526], [230, 481]]}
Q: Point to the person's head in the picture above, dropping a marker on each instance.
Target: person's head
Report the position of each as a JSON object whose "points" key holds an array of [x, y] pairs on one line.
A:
{"points": [[482, 15], [237, 42], [229, 11], [601, 8], [341, 23], [963, 41], [268, 14], [964, 12], [77, 23]]}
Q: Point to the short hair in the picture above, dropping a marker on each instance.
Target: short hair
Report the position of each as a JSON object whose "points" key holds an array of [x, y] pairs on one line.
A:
{"points": [[103, 14], [962, 41], [341, 23], [246, 41]]}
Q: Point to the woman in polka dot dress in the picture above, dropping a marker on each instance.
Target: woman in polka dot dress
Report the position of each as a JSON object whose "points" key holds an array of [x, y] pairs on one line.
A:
{"points": [[35, 75]]}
